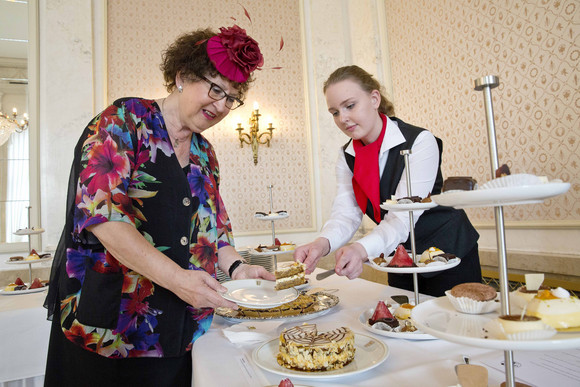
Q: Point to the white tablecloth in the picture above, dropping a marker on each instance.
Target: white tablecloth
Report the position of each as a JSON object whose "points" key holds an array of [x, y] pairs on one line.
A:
{"points": [[24, 332], [217, 362]]}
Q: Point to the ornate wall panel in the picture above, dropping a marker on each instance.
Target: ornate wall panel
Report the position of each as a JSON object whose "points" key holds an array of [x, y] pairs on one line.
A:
{"points": [[437, 49], [138, 33]]}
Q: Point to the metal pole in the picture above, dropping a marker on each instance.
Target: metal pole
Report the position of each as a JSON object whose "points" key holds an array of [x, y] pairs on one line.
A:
{"points": [[485, 84], [405, 153]]}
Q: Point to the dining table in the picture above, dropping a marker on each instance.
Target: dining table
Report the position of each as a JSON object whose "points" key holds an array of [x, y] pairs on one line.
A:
{"points": [[220, 361]]}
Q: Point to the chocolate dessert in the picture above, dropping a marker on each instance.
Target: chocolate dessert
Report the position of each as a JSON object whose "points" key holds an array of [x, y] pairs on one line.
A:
{"points": [[459, 183]]}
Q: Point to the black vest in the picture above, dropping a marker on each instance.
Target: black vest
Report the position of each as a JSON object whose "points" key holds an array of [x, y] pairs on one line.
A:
{"points": [[444, 227]]}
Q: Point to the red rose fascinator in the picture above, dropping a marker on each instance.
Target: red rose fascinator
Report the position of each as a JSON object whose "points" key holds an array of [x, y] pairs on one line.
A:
{"points": [[234, 54]]}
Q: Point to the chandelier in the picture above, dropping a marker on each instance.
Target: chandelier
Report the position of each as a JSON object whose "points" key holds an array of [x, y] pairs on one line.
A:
{"points": [[10, 124]]}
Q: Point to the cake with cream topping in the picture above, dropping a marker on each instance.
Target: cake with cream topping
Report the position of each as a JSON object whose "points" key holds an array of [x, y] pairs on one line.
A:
{"points": [[556, 308], [290, 275], [304, 348]]}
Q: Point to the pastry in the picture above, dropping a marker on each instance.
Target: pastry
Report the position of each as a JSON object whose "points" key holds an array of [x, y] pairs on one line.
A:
{"points": [[409, 200], [286, 383], [403, 312], [304, 348], [475, 291], [401, 258], [290, 275], [502, 171], [556, 308], [459, 183], [16, 258], [515, 323], [32, 256], [287, 247], [382, 314], [472, 298]]}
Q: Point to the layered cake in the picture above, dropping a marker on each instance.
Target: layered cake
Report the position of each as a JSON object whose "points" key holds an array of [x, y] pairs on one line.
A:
{"points": [[304, 348], [303, 304], [459, 183], [290, 276], [556, 308]]}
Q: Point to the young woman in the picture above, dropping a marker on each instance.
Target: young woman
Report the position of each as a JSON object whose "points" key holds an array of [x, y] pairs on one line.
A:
{"points": [[133, 283], [369, 170]]}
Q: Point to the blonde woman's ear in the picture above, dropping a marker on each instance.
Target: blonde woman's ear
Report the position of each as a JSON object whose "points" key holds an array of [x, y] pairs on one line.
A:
{"points": [[376, 98]]}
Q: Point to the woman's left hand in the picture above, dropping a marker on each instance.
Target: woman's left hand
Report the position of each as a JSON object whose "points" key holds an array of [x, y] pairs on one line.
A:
{"points": [[349, 260], [246, 271]]}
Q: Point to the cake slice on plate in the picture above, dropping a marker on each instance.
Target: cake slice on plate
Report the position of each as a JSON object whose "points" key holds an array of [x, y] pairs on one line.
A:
{"points": [[290, 275]]}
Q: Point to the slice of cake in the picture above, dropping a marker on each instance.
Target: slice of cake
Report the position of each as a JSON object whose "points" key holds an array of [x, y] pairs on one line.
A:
{"points": [[290, 275], [304, 348], [556, 308]]}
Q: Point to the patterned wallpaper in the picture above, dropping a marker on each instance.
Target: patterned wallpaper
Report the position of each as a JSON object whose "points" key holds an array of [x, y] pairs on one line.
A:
{"points": [[138, 33], [437, 49]]}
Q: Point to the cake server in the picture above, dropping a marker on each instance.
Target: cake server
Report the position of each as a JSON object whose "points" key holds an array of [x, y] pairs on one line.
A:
{"points": [[324, 274]]}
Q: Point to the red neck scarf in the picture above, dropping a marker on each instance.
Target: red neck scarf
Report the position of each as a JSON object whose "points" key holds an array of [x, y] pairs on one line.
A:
{"points": [[366, 179]]}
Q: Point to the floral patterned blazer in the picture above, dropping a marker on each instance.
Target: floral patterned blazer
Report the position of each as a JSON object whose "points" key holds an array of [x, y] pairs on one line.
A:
{"points": [[126, 171]]}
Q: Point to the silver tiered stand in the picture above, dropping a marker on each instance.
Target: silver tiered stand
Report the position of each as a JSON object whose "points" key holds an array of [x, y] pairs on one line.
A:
{"points": [[28, 232], [272, 217]]}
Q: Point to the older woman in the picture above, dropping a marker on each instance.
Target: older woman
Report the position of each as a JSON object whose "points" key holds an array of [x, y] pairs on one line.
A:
{"points": [[133, 283]]}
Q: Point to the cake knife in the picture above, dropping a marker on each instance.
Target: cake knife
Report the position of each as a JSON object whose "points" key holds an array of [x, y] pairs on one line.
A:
{"points": [[324, 274]]}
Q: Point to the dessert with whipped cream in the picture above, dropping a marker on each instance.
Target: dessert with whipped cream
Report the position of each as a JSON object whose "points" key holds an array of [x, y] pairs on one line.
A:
{"points": [[556, 308], [304, 348], [524, 294], [290, 275]]}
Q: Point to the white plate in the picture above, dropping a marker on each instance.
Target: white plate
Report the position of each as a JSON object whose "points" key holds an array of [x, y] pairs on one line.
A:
{"points": [[438, 318], [408, 207], [274, 216], [363, 319], [503, 196], [28, 231], [264, 253], [424, 269], [19, 292], [257, 294], [370, 352], [47, 259]]}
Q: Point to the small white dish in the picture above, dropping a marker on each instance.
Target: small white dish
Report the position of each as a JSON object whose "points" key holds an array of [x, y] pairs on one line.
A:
{"points": [[257, 293]]}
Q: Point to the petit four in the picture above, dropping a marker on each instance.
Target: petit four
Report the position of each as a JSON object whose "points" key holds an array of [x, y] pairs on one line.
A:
{"points": [[459, 183], [401, 258]]}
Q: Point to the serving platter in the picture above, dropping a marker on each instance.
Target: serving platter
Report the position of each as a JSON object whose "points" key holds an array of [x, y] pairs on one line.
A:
{"points": [[421, 269], [438, 318], [20, 292], [370, 353], [323, 304], [257, 293], [501, 196]]}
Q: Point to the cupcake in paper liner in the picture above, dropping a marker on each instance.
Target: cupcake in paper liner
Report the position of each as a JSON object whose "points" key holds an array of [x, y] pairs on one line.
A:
{"points": [[513, 327], [473, 298]]}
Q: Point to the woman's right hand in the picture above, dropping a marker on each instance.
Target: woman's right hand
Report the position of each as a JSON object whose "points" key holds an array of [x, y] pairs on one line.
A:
{"points": [[310, 253], [200, 290]]}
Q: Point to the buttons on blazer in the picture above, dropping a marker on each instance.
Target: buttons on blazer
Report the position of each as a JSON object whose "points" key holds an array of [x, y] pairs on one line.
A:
{"points": [[186, 202], [183, 241]]}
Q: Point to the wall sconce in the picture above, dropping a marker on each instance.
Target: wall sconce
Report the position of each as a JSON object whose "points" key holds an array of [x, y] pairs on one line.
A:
{"points": [[8, 125], [254, 138]]}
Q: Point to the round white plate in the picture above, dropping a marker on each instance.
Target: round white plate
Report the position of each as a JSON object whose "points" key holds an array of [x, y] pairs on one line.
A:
{"points": [[408, 207], [264, 253], [424, 269], [19, 292], [503, 196], [363, 319], [274, 216], [28, 231], [257, 293], [47, 259], [438, 318], [370, 352]]}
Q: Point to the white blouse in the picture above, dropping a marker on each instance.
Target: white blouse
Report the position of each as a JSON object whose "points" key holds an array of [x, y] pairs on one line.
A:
{"points": [[346, 216]]}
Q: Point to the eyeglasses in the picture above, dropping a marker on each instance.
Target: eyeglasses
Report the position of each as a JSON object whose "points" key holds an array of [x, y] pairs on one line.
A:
{"points": [[217, 93]]}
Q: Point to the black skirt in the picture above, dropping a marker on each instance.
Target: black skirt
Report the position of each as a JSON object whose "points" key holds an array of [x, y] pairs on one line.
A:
{"points": [[70, 365]]}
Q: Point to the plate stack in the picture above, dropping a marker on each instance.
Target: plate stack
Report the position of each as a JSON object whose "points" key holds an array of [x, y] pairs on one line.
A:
{"points": [[267, 261]]}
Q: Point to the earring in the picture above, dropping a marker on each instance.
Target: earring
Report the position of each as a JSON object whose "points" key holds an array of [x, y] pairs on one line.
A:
{"points": [[180, 88]]}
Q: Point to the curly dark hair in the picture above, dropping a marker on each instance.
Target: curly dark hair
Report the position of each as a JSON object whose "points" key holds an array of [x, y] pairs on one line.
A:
{"points": [[188, 57], [366, 81]]}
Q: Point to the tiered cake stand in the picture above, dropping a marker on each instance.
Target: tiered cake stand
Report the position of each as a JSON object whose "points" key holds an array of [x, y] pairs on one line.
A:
{"points": [[428, 316], [411, 208], [271, 217], [28, 232]]}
